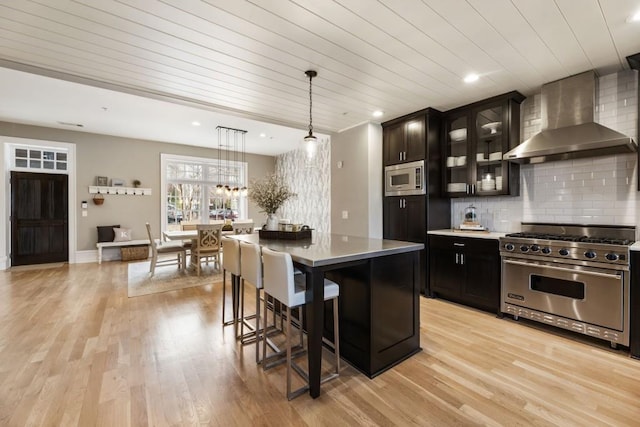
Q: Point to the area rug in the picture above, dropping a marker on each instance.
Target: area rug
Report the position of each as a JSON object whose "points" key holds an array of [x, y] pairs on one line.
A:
{"points": [[167, 278]]}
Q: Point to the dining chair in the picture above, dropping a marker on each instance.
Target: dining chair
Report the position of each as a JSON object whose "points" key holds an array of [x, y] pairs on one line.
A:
{"points": [[207, 245], [242, 226], [281, 283], [188, 226], [159, 247]]}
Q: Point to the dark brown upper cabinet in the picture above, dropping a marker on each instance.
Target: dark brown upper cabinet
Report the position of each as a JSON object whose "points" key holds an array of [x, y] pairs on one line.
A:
{"points": [[475, 138], [404, 141]]}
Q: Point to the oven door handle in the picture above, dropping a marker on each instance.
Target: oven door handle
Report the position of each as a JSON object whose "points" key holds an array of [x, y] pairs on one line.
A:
{"points": [[551, 267]]}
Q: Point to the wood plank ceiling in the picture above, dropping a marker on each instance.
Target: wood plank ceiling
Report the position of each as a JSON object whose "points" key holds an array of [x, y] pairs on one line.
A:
{"points": [[249, 57]]}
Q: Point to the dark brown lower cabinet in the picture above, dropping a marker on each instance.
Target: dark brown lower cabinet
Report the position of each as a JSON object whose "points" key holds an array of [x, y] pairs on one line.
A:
{"points": [[405, 218], [379, 311], [465, 270], [634, 330]]}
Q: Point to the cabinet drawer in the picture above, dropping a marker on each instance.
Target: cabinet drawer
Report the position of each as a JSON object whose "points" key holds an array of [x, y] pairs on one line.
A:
{"points": [[466, 244]]}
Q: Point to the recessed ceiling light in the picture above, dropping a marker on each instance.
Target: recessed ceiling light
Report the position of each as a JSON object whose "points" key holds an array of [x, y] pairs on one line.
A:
{"points": [[470, 78], [262, 135], [634, 18], [378, 113], [195, 123]]}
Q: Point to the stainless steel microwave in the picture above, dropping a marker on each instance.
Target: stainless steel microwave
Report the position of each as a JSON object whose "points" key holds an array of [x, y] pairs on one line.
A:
{"points": [[405, 179]]}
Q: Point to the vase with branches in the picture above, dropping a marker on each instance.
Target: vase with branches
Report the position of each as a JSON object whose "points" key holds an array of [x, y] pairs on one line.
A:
{"points": [[269, 194]]}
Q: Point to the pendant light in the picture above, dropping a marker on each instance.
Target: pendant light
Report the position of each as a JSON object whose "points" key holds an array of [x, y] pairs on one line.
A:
{"points": [[219, 188], [235, 191], [310, 141], [244, 190]]}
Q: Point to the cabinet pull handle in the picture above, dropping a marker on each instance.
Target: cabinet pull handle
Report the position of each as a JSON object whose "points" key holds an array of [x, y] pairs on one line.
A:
{"points": [[404, 203], [457, 258], [400, 155], [400, 201], [462, 259], [458, 244]]}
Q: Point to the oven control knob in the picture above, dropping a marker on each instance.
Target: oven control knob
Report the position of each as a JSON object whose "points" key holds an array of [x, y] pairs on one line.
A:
{"points": [[509, 246], [564, 252], [546, 250], [590, 254], [524, 248], [534, 248], [612, 257]]}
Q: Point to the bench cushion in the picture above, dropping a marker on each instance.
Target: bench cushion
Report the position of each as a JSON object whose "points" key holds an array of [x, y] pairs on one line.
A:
{"points": [[106, 233], [122, 234]]}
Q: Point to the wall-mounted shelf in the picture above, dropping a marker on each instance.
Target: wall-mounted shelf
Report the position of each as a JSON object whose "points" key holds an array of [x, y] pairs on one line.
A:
{"points": [[127, 191]]}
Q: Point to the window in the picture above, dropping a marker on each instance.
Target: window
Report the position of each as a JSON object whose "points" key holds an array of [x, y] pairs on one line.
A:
{"points": [[191, 187], [35, 158]]}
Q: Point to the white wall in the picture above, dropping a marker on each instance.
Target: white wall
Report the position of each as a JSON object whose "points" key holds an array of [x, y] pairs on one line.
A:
{"points": [[599, 190], [356, 181]]}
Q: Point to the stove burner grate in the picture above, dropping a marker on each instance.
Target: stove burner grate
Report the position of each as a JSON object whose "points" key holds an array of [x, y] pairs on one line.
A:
{"points": [[571, 238]]}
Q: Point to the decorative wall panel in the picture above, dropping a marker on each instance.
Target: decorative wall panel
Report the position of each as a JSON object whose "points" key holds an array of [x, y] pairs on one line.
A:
{"points": [[311, 181]]}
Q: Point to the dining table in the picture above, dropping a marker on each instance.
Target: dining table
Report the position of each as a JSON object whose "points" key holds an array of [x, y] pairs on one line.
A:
{"points": [[180, 234], [386, 272]]}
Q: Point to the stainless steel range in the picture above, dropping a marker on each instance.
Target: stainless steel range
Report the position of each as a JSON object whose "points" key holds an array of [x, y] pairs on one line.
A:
{"points": [[570, 276]]}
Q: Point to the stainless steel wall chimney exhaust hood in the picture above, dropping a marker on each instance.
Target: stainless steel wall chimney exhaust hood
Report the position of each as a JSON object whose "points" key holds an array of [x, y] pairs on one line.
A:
{"points": [[569, 131]]}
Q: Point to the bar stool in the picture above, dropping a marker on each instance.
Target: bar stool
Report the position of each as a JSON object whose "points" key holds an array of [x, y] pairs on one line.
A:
{"points": [[282, 284], [231, 263], [251, 269]]}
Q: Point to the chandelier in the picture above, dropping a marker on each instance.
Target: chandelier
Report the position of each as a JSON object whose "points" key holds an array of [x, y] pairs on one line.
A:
{"points": [[236, 138]]}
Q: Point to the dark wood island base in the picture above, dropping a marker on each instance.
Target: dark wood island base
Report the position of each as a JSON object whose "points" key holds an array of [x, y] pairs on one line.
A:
{"points": [[379, 311]]}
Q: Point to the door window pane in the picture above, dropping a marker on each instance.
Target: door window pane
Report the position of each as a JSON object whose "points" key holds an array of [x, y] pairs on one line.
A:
{"points": [[48, 159]]}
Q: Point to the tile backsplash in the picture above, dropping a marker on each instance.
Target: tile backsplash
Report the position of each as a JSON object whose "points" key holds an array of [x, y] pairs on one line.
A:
{"points": [[598, 190]]}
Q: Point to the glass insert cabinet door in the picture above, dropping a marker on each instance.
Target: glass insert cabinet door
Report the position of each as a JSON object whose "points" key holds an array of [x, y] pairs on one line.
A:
{"points": [[491, 143], [457, 155]]}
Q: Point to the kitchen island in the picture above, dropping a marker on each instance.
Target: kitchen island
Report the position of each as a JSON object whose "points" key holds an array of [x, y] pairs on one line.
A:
{"points": [[379, 297]]}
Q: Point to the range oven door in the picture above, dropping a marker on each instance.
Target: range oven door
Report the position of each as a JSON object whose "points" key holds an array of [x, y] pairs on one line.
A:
{"points": [[586, 294]]}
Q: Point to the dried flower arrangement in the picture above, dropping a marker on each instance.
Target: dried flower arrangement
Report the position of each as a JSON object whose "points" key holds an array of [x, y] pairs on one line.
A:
{"points": [[270, 193]]}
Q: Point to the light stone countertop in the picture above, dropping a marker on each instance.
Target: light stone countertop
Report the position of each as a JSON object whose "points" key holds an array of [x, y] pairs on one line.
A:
{"points": [[635, 247], [473, 234], [327, 249]]}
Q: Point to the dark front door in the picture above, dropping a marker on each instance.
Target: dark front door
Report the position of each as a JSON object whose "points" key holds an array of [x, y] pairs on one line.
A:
{"points": [[39, 218]]}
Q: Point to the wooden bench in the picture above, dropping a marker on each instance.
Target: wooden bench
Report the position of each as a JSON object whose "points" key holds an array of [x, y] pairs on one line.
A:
{"points": [[101, 245]]}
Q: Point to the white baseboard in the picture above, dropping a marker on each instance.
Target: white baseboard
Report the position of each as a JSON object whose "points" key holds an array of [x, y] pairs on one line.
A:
{"points": [[83, 257], [108, 254]]}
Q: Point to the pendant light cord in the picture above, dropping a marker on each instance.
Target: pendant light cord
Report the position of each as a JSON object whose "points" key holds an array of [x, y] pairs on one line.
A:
{"points": [[310, 107], [311, 74]]}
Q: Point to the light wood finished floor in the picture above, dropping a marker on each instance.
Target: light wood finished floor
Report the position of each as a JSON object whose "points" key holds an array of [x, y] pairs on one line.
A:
{"points": [[75, 351]]}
